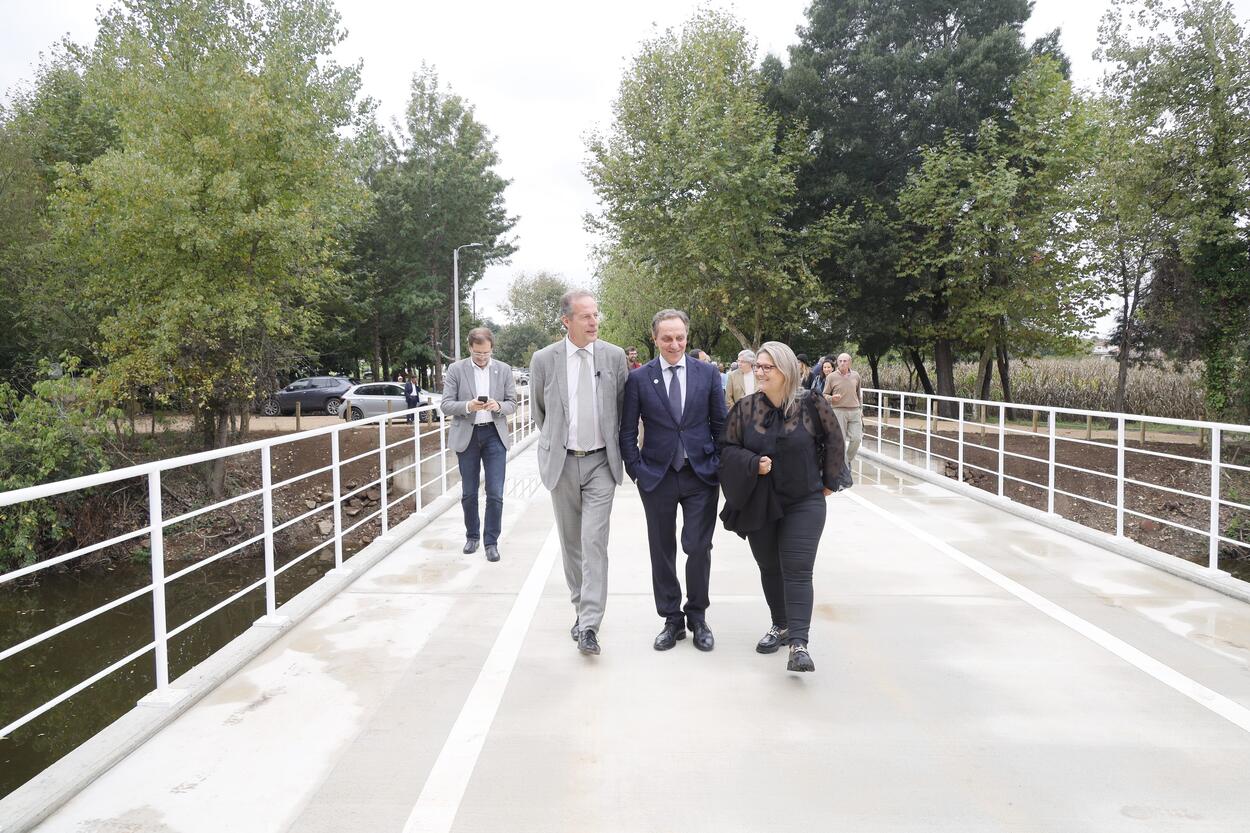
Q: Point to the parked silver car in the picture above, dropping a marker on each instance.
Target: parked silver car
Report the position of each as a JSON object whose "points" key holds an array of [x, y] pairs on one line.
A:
{"points": [[374, 398]]}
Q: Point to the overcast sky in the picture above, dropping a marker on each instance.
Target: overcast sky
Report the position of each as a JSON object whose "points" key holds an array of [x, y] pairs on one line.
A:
{"points": [[540, 74]]}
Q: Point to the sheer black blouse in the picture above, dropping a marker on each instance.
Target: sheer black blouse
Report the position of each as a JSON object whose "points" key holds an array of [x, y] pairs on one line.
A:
{"points": [[792, 440]]}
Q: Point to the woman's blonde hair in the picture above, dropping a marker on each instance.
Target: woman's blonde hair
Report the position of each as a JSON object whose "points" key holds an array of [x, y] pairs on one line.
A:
{"points": [[787, 365]]}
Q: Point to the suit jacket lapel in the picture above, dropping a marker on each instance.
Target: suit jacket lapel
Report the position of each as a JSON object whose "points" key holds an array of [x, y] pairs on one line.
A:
{"points": [[661, 389], [562, 377]]}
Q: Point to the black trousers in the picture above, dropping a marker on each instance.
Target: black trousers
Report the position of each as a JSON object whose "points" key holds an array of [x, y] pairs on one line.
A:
{"points": [[785, 551], [698, 521]]}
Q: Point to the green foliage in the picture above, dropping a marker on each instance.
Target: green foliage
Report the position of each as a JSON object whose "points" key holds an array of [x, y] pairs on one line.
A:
{"points": [[60, 431], [695, 184], [434, 188], [992, 243], [534, 302], [1183, 71], [201, 245]]}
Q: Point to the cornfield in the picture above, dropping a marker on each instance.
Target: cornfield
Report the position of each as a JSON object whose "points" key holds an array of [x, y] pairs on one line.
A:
{"points": [[1085, 383]]}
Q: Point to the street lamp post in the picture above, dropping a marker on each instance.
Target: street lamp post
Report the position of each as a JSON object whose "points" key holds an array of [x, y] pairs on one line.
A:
{"points": [[455, 291]]}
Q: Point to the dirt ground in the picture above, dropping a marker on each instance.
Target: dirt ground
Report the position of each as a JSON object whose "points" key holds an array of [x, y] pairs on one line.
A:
{"points": [[1026, 483]]}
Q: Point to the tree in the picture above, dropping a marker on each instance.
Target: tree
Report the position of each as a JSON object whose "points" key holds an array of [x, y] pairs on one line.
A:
{"points": [[1127, 231], [876, 83], [534, 304], [992, 237], [1184, 71], [436, 188], [695, 184], [203, 242]]}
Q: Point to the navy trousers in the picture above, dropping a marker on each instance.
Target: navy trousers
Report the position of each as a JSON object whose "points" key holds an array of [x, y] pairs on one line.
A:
{"points": [[698, 521], [486, 451]]}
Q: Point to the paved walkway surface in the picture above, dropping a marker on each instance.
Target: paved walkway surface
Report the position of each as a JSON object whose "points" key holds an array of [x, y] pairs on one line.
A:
{"points": [[974, 673]]}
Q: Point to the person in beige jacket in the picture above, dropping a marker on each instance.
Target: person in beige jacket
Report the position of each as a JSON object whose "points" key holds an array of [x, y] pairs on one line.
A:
{"points": [[842, 388], [741, 381]]}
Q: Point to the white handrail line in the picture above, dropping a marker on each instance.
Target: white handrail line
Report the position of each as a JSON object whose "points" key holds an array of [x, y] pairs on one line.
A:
{"points": [[1163, 488], [360, 489], [1180, 458], [361, 522], [1232, 503], [72, 623], [305, 516], [1086, 471], [1202, 532], [204, 614], [186, 516], [65, 695], [297, 559], [297, 478], [1085, 498], [399, 499], [58, 487], [373, 452], [1107, 415], [60, 559], [217, 556]]}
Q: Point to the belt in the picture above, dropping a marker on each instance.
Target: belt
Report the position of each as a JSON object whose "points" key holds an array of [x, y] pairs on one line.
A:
{"points": [[586, 453]]}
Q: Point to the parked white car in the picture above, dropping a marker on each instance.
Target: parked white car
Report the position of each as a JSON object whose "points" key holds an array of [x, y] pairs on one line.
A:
{"points": [[374, 398]]}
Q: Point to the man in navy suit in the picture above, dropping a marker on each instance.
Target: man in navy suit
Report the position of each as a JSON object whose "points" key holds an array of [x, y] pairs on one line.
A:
{"points": [[682, 407]]}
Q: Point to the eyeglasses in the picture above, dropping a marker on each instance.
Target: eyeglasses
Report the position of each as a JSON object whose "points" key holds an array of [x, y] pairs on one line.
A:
{"points": [[764, 368], [479, 354]]}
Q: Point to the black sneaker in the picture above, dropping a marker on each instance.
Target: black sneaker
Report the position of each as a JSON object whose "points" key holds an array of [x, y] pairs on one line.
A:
{"points": [[800, 659], [772, 640]]}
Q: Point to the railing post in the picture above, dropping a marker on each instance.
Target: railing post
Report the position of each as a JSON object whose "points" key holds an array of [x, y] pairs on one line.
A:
{"points": [[266, 498], [1213, 549], [442, 454], [880, 423], [382, 464], [928, 433], [1050, 465], [156, 543], [960, 447], [1002, 445], [416, 459], [1119, 477], [336, 489], [902, 423]]}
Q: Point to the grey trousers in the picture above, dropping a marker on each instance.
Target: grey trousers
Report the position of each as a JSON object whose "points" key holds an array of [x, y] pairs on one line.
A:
{"points": [[851, 421], [582, 500]]}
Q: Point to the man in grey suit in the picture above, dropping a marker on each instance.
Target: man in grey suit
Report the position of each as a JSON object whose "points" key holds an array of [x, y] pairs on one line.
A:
{"points": [[577, 385], [479, 394]]}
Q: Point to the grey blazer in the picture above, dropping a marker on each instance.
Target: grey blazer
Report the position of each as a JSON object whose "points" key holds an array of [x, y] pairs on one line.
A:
{"points": [[459, 387], [549, 387]]}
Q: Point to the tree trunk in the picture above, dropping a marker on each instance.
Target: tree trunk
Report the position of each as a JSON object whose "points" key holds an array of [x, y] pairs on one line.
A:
{"points": [[917, 362], [245, 420], [375, 360], [1004, 374], [874, 361], [985, 373], [738, 334], [438, 356], [386, 362], [1126, 338], [944, 369]]}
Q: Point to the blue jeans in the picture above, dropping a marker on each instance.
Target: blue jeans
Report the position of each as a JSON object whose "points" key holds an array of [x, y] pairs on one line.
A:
{"points": [[486, 450]]}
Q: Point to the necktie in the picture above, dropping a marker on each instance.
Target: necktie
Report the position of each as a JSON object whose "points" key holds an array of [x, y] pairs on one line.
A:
{"points": [[585, 403], [674, 399]]}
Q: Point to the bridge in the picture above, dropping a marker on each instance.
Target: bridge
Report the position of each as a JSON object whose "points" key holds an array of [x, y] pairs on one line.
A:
{"points": [[983, 663]]}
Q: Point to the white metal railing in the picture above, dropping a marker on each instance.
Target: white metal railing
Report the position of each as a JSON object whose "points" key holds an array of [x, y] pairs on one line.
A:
{"points": [[909, 425], [521, 426]]}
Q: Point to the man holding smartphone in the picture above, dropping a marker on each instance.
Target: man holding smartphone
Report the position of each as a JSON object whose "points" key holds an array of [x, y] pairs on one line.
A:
{"points": [[479, 394]]}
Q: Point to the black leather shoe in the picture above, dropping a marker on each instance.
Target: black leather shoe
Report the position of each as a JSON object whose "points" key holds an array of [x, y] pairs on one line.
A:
{"points": [[800, 659], [576, 630], [772, 640], [703, 639], [470, 545], [669, 636], [492, 552], [587, 644]]}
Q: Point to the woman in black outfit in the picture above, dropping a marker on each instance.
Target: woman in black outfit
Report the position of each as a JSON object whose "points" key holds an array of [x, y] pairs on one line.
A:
{"points": [[775, 486]]}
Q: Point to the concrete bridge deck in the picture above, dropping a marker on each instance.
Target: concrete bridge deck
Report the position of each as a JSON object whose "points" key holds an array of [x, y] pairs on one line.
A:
{"points": [[975, 672]]}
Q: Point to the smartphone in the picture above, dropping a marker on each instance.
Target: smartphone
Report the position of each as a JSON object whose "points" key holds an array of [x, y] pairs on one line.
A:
{"points": [[482, 399]]}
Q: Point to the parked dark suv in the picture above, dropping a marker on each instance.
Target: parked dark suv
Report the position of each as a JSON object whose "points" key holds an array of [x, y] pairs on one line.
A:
{"points": [[316, 393]]}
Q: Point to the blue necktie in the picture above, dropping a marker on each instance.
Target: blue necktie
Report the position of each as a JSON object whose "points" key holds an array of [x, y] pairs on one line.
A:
{"points": [[674, 400]]}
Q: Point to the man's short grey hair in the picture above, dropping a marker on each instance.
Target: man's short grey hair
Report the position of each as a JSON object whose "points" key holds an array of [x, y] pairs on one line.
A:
{"points": [[567, 299], [746, 356], [666, 314]]}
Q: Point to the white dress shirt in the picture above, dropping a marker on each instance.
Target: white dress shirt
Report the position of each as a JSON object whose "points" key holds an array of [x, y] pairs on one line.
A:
{"points": [[574, 367], [481, 383], [666, 377]]}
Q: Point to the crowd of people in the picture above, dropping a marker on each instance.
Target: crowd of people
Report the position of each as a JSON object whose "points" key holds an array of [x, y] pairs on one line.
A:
{"points": [[771, 433]]}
